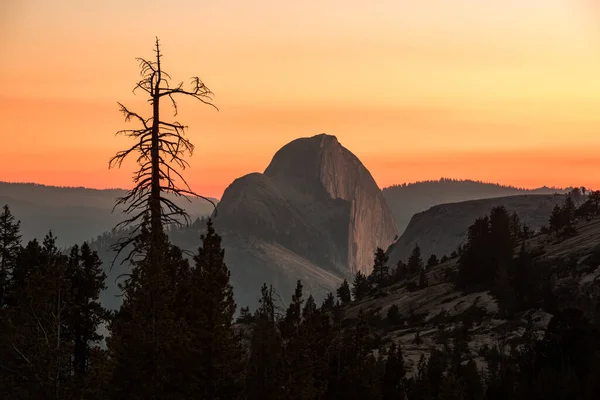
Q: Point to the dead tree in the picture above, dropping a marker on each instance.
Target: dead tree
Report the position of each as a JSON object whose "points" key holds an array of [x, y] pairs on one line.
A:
{"points": [[160, 147]]}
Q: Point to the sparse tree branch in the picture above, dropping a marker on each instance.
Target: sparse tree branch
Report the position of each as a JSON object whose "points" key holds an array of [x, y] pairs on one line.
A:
{"points": [[160, 147]]}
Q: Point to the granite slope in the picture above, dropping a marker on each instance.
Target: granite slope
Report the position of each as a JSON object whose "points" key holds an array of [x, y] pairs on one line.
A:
{"points": [[315, 214]]}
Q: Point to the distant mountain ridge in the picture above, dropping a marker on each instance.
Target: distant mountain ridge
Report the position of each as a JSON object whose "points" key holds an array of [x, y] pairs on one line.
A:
{"points": [[408, 199], [74, 214], [442, 228]]}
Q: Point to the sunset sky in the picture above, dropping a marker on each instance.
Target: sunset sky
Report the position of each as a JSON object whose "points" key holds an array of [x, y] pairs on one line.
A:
{"points": [[498, 90]]}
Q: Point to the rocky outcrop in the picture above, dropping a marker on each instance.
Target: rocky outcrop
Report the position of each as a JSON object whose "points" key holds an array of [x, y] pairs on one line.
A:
{"points": [[441, 229], [407, 200], [316, 212], [434, 311]]}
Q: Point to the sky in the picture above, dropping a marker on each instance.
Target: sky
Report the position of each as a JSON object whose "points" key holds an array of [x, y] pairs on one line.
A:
{"points": [[503, 91]]}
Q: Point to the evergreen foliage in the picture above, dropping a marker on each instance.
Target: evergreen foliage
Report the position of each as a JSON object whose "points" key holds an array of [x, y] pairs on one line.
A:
{"points": [[361, 286], [343, 293], [380, 274], [415, 262], [10, 245]]}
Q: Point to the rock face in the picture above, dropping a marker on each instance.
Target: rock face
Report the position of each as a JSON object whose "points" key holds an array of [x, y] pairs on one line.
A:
{"points": [[315, 214], [407, 200], [441, 229]]}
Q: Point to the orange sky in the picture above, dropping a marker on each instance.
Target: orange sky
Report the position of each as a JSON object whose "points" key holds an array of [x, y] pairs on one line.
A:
{"points": [[497, 90]]}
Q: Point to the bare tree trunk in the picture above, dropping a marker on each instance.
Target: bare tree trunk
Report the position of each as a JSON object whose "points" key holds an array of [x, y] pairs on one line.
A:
{"points": [[155, 215], [161, 146]]}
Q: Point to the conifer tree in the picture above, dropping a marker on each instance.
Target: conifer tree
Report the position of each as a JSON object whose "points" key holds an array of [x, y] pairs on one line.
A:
{"points": [[343, 292], [150, 331], [501, 236], [475, 263], [359, 372], [149, 340], [305, 345], [10, 244], [216, 353], [556, 219], [264, 376], [515, 227], [415, 262], [400, 272], [394, 374], [380, 272], [84, 313], [432, 261], [291, 322], [329, 302], [36, 348], [361, 286]]}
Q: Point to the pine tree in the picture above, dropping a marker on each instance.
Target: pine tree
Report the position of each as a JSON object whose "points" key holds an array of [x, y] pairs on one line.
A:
{"points": [[316, 335], [343, 292], [85, 313], [149, 339], [36, 348], [380, 272], [568, 215], [400, 272], [502, 238], [216, 353], [569, 209], [291, 322], [476, 258], [361, 286], [10, 244], [556, 219], [432, 261], [515, 227], [360, 376], [329, 302], [359, 371], [264, 378], [394, 375], [302, 350], [415, 262]]}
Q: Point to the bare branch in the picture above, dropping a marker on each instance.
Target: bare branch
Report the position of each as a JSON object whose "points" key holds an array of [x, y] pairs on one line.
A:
{"points": [[160, 147], [21, 354]]}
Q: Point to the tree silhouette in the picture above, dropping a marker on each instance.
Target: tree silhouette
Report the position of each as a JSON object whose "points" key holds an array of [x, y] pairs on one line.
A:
{"points": [[160, 147], [432, 261], [209, 315], [360, 286], [380, 269], [415, 262], [10, 244], [343, 292]]}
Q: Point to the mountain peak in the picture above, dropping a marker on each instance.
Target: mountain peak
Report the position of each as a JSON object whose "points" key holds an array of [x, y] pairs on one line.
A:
{"points": [[315, 200], [316, 166]]}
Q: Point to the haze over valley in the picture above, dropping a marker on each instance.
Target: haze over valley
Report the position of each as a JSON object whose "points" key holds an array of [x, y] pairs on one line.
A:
{"points": [[316, 200]]}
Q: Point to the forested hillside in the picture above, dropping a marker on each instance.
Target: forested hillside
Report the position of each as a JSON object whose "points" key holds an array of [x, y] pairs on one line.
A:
{"points": [[512, 309]]}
